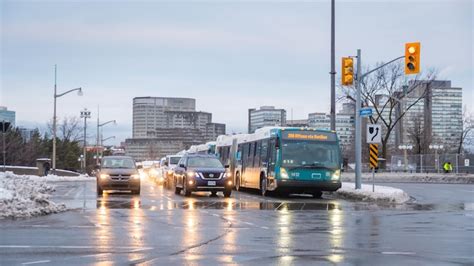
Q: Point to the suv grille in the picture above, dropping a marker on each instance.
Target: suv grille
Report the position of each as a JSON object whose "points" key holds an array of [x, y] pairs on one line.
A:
{"points": [[120, 177], [211, 175]]}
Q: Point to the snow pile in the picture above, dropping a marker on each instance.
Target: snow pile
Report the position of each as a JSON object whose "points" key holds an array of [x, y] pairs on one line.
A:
{"points": [[381, 194], [22, 196], [56, 178]]}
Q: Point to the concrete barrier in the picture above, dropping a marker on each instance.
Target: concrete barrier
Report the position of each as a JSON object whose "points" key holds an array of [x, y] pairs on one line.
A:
{"points": [[27, 170]]}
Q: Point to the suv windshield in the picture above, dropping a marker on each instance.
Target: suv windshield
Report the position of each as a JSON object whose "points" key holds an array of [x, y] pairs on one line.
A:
{"points": [[174, 160], [118, 163], [205, 162]]}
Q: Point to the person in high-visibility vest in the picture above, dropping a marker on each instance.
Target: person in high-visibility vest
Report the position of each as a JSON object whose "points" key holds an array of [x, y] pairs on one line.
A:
{"points": [[448, 167]]}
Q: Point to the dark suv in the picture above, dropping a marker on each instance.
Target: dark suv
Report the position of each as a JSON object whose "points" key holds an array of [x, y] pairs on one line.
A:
{"points": [[118, 173], [198, 172]]}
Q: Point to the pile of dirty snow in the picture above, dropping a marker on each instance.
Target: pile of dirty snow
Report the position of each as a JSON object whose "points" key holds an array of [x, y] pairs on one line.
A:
{"points": [[23, 196], [56, 178], [381, 193]]}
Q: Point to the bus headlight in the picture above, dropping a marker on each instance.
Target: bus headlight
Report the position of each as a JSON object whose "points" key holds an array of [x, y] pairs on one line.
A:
{"points": [[283, 173], [336, 175]]}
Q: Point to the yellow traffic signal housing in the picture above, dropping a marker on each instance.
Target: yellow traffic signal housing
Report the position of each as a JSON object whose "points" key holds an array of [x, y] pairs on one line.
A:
{"points": [[347, 71], [412, 58]]}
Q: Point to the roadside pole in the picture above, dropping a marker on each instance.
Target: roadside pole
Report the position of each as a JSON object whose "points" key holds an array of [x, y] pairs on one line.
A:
{"points": [[358, 140], [3, 145]]}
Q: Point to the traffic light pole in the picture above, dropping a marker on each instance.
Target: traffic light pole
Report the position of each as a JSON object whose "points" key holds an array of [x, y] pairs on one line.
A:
{"points": [[358, 135]]}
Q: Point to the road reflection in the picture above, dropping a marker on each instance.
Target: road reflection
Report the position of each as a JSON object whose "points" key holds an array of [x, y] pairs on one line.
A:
{"points": [[285, 239], [191, 236], [337, 232]]}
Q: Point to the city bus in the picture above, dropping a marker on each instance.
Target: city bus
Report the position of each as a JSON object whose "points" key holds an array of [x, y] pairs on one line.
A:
{"points": [[208, 148], [283, 159]]}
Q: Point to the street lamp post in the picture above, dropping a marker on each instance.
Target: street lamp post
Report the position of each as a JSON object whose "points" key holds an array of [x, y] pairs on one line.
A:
{"points": [[56, 95], [85, 114], [98, 136], [405, 149], [436, 147]]}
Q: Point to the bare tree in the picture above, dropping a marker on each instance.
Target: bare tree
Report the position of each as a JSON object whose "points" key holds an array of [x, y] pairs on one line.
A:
{"points": [[391, 94], [468, 128], [417, 135], [69, 130]]}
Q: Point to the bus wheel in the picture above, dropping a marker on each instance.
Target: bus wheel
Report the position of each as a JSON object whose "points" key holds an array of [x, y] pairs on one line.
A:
{"points": [[237, 182], [317, 194], [263, 186]]}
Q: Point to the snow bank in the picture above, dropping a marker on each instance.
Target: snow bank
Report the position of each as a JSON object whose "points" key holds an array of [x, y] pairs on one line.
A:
{"points": [[381, 194], [23, 196], [55, 178]]}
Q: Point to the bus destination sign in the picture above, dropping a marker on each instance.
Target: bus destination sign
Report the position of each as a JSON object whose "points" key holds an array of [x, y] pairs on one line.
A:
{"points": [[309, 135]]}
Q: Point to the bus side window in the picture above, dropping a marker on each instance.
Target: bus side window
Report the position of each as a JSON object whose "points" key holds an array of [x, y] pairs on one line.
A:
{"points": [[257, 154], [263, 152], [250, 154]]}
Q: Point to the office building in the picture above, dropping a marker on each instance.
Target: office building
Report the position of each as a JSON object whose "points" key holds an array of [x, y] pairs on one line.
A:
{"points": [[164, 126], [265, 116], [436, 115], [7, 115]]}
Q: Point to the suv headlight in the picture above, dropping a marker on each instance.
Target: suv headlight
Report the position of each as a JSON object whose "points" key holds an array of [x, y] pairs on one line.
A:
{"points": [[136, 176], [192, 174], [336, 175], [104, 176], [227, 175], [283, 173]]}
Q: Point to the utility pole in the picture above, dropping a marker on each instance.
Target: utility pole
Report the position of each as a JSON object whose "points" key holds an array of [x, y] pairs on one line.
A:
{"points": [[85, 114], [54, 121], [333, 68], [358, 136], [97, 140]]}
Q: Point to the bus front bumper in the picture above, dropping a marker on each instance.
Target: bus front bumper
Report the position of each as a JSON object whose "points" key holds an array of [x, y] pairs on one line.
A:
{"points": [[303, 185]]}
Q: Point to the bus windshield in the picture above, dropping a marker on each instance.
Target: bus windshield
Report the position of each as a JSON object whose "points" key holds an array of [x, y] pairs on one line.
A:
{"points": [[310, 154]]}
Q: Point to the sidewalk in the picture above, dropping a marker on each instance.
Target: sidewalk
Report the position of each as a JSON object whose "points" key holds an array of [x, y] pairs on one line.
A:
{"points": [[412, 177]]}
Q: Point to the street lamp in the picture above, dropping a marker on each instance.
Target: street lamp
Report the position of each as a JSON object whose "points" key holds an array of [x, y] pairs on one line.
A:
{"points": [[98, 136], [56, 95], [436, 147], [405, 149], [85, 114]]}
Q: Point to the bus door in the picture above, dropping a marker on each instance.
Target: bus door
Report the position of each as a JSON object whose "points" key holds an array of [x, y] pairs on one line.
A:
{"points": [[271, 157]]}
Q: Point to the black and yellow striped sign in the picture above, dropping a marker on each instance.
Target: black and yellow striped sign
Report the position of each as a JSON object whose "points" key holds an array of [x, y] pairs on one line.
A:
{"points": [[373, 155]]}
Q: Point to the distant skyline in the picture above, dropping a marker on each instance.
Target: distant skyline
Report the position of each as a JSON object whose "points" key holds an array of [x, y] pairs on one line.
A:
{"points": [[230, 56]]}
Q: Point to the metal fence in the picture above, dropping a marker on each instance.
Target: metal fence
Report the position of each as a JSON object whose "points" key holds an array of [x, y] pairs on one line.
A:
{"points": [[431, 163]]}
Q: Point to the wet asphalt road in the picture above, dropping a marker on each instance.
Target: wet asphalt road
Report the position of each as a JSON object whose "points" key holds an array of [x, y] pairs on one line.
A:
{"points": [[160, 228]]}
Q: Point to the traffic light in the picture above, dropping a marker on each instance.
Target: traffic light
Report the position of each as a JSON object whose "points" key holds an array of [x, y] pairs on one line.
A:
{"points": [[347, 71], [412, 58]]}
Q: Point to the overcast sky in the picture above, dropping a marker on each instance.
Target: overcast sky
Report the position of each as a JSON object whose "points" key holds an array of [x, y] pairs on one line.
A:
{"points": [[229, 55]]}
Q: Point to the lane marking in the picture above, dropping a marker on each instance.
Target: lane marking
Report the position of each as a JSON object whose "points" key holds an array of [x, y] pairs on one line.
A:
{"points": [[72, 247], [36, 262], [398, 253]]}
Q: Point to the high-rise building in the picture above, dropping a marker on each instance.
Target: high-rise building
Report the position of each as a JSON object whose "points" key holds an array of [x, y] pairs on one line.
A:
{"points": [[436, 115], [164, 126], [345, 124], [7, 115], [265, 116]]}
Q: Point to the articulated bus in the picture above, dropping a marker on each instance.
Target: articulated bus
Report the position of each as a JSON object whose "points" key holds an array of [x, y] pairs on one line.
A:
{"points": [[208, 148], [283, 159]]}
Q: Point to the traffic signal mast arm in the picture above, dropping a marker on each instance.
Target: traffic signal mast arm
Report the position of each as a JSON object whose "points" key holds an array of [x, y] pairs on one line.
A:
{"points": [[377, 68]]}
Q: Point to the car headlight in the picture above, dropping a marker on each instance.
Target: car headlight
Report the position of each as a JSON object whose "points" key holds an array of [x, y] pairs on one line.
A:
{"points": [[336, 175], [283, 173], [136, 176], [153, 172], [104, 176], [170, 172], [192, 174]]}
